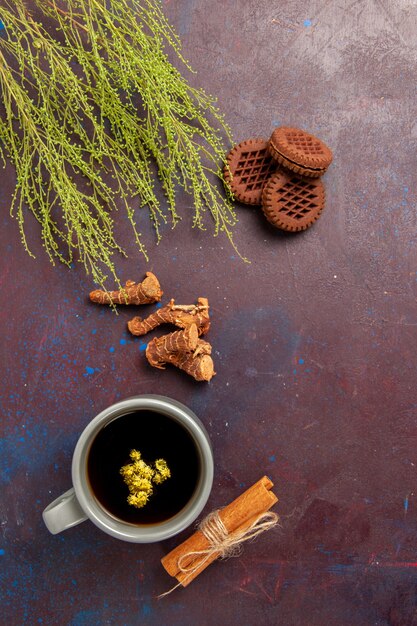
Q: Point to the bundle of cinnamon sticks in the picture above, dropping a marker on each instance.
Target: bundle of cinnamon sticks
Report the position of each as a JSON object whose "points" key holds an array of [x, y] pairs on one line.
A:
{"points": [[243, 519]]}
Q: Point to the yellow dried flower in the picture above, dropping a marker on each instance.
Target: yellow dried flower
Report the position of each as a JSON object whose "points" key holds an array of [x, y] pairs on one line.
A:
{"points": [[138, 499], [135, 455], [139, 477], [162, 471]]}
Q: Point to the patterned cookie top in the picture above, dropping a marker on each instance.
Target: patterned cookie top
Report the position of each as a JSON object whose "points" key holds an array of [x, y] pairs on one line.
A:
{"points": [[248, 167], [301, 149], [292, 203]]}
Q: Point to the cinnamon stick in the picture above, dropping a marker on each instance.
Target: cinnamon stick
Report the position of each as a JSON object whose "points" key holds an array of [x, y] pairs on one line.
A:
{"points": [[236, 517]]}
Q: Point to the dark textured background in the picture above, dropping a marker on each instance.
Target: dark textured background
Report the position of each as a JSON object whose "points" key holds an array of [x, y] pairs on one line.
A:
{"points": [[314, 347]]}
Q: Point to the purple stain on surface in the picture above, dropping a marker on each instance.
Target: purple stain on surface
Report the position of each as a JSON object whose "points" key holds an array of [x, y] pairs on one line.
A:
{"points": [[185, 17], [89, 370]]}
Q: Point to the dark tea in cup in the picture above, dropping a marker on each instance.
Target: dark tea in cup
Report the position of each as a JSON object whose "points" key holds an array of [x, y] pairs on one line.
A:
{"points": [[156, 436]]}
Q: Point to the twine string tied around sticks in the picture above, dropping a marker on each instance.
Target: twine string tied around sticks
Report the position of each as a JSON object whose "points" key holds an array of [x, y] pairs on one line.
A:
{"points": [[221, 543]]}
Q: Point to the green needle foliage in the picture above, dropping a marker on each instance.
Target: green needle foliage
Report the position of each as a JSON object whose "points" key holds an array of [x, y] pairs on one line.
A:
{"points": [[93, 114]]}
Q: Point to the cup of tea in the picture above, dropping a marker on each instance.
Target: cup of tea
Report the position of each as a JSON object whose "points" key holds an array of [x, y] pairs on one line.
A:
{"points": [[158, 427]]}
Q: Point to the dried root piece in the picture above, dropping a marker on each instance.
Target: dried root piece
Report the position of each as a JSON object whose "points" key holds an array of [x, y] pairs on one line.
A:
{"points": [[146, 292], [185, 350], [181, 315], [199, 365], [166, 349]]}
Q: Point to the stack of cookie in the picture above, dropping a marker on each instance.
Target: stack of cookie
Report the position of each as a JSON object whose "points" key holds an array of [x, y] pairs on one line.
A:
{"points": [[281, 175]]}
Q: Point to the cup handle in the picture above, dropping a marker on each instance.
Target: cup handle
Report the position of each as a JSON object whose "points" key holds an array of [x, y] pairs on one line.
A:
{"points": [[64, 512]]}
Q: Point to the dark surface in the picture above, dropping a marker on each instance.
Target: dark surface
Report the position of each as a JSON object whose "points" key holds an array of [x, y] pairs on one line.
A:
{"points": [[314, 348]]}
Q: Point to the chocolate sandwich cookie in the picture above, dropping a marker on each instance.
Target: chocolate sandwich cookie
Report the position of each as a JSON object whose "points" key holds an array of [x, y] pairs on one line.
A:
{"points": [[299, 151], [248, 167], [292, 203]]}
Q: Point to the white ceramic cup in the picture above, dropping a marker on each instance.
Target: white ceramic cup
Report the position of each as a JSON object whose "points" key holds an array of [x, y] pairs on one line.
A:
{"points": [[79, 503]]}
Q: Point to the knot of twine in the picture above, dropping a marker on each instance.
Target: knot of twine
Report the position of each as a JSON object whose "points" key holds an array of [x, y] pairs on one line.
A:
{"points": [[222, 543]]}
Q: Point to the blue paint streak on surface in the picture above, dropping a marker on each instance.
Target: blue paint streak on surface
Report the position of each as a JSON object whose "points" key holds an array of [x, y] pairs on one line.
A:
{"points": [[2, 552], [158, 306], [123, 342], [146, 610], [31, 446], [2, 27], [142, 347], [321, 549], [301, 361], [307, 23], [89, 370], [272, 458], [294, 371], [339, 568], [406, 504], [87, 617], [111, 349]]}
